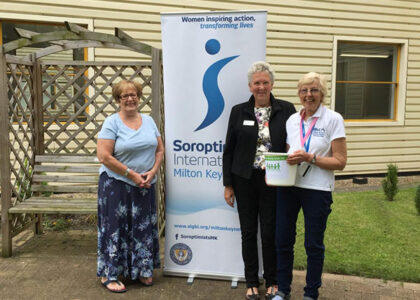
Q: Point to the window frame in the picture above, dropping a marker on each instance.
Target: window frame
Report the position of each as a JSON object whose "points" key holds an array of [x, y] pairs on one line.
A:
{"points": [[399, 95]]}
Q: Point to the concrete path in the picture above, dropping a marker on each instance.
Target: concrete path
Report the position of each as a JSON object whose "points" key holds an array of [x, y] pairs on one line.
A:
{"points": [[62, 265]]}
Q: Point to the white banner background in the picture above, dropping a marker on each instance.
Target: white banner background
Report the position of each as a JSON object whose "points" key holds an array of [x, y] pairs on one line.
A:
{"points": [[202, 232]]}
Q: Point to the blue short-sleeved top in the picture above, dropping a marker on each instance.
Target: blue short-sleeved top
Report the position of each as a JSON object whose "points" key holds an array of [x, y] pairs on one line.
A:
{"points": [[134, 148]]}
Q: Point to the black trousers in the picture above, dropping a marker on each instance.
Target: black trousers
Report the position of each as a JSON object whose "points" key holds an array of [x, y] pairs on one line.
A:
{"points": [[255, 201]]}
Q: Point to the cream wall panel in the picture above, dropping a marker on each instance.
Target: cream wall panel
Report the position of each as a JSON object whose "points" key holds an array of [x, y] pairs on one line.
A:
{"points": [[413, 122], [350, 31], [382, 136], [413, 86], [308, 61], [283, 38], [383, 3], [315, 7], [413, 93], [346, 16], [369, 168], [383, 144], [414, 108], [296, 44], [385, 159], [413, 115], [414, 64], [281, 51], [153, 23], [384, 152], [320, 20], [354, 131], [411, 71], [414, 79], [283, 68], [140, 35]]}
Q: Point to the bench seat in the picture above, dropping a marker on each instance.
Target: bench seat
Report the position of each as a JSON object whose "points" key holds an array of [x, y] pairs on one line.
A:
{"points": [[46, 205], [72, 182]]}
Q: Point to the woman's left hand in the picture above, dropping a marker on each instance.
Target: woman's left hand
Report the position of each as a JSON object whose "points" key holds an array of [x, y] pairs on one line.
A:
{"points": [[138, 179], [147, 177], [337, 161], [298, 157]]}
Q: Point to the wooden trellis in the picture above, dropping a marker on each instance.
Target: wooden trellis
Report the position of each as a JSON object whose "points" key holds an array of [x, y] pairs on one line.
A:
{"points": [[57, 107]]}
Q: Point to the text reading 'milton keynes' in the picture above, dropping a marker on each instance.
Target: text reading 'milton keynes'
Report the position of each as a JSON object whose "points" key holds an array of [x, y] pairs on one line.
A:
{"points": [[198, 160]]}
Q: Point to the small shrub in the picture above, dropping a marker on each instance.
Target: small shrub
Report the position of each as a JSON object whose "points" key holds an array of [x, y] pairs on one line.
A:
{"points": [[390, 182], [417, 199]]}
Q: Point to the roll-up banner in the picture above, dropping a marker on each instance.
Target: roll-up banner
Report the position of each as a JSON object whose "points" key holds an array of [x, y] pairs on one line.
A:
{"points": [[206, 57]]}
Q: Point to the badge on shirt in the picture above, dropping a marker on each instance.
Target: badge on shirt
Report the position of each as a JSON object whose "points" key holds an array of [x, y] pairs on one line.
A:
{"points": [[249, 122]]}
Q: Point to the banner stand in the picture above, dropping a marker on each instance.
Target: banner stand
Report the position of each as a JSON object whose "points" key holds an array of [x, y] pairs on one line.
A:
{"points": [[191, 276], [206, 57]]}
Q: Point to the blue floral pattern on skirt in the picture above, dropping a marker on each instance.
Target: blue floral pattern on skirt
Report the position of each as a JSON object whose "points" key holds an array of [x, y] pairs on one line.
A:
{"points": [[128, 238]]}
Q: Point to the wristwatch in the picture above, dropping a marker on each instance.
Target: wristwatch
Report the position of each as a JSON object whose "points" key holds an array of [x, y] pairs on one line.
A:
{"points": [[313, 161]]}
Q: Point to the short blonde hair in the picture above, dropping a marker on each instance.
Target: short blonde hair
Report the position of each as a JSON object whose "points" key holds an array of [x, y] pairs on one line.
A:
{"points": [[118, 88], [312, 77], [260, 66]]}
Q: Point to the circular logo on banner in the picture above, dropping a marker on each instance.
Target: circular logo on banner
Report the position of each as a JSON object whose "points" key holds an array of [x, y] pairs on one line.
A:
{"points": [[181, 254]]}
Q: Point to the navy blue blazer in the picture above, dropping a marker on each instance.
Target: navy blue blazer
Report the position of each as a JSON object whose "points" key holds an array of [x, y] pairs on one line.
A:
{"points": [[241, 139]]}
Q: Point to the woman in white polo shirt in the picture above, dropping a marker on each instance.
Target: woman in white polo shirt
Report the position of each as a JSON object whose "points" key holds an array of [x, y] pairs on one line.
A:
{"points": [[316, 141]]}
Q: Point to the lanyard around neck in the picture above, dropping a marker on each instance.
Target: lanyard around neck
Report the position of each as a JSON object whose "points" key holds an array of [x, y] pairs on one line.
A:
{"points": [[305, 139]]}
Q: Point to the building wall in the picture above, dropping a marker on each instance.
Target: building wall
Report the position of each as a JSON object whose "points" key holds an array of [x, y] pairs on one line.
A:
{"points": [[300, 38]]}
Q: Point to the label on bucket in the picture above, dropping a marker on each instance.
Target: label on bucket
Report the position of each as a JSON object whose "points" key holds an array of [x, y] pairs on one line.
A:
{"points": [[278, 171]]}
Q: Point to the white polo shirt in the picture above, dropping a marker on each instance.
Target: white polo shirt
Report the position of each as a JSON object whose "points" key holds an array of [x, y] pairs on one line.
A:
{"points": [[328, 127]]}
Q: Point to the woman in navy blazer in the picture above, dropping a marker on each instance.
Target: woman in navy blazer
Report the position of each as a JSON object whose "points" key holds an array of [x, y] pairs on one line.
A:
{"points": [[255, 126]]}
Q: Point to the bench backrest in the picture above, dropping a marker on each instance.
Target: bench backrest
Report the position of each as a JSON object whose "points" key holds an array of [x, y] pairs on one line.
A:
{"points": [[65, 174]]}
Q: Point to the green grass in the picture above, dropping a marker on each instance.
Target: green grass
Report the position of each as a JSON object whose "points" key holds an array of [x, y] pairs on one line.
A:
{"points": [[369, 236]]}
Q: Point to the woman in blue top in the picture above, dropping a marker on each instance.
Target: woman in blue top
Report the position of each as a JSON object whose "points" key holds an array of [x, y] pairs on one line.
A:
{"points": [[131, 151]]}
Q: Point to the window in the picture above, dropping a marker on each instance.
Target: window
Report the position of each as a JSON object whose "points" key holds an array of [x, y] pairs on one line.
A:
{"points": [[367, 80]]}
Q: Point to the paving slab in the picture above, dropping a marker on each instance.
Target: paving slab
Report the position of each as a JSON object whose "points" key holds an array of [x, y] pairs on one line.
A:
{"points": [[62, 265]]}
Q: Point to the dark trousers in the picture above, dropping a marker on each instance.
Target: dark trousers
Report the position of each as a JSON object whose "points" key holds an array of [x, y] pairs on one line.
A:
{"points": [[256, 201], [316, 206]]}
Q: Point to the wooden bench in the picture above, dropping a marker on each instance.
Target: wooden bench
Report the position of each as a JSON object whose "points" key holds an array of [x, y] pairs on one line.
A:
{"points": [[62, 184]]}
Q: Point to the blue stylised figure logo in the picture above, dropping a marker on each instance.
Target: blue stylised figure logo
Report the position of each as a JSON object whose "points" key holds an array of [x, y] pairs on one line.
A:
{"points": [[211, 90]]}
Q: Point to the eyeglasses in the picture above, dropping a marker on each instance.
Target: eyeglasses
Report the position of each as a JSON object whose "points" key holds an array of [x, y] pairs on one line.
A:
{"points": [[312, 91], [126, 96]]}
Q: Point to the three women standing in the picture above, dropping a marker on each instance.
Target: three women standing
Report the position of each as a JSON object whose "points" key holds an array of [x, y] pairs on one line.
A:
{"points": [[131, 151]]}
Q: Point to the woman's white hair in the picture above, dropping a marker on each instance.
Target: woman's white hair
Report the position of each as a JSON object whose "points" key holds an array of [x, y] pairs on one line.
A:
{"points": [[312, 77], [260, 66]]}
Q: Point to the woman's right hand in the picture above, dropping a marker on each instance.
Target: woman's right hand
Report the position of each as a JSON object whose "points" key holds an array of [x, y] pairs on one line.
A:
{"points": [[229, 196]]}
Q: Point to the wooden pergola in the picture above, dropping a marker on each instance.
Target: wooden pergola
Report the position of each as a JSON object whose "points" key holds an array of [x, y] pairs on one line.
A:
{"points": [[57, 107]]}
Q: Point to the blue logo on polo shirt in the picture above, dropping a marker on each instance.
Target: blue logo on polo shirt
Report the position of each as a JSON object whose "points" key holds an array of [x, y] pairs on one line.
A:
{"points": [[319, 132]]}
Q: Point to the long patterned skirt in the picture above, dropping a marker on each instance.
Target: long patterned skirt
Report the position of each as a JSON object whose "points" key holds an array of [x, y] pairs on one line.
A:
{"points": [[128, 239]]}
